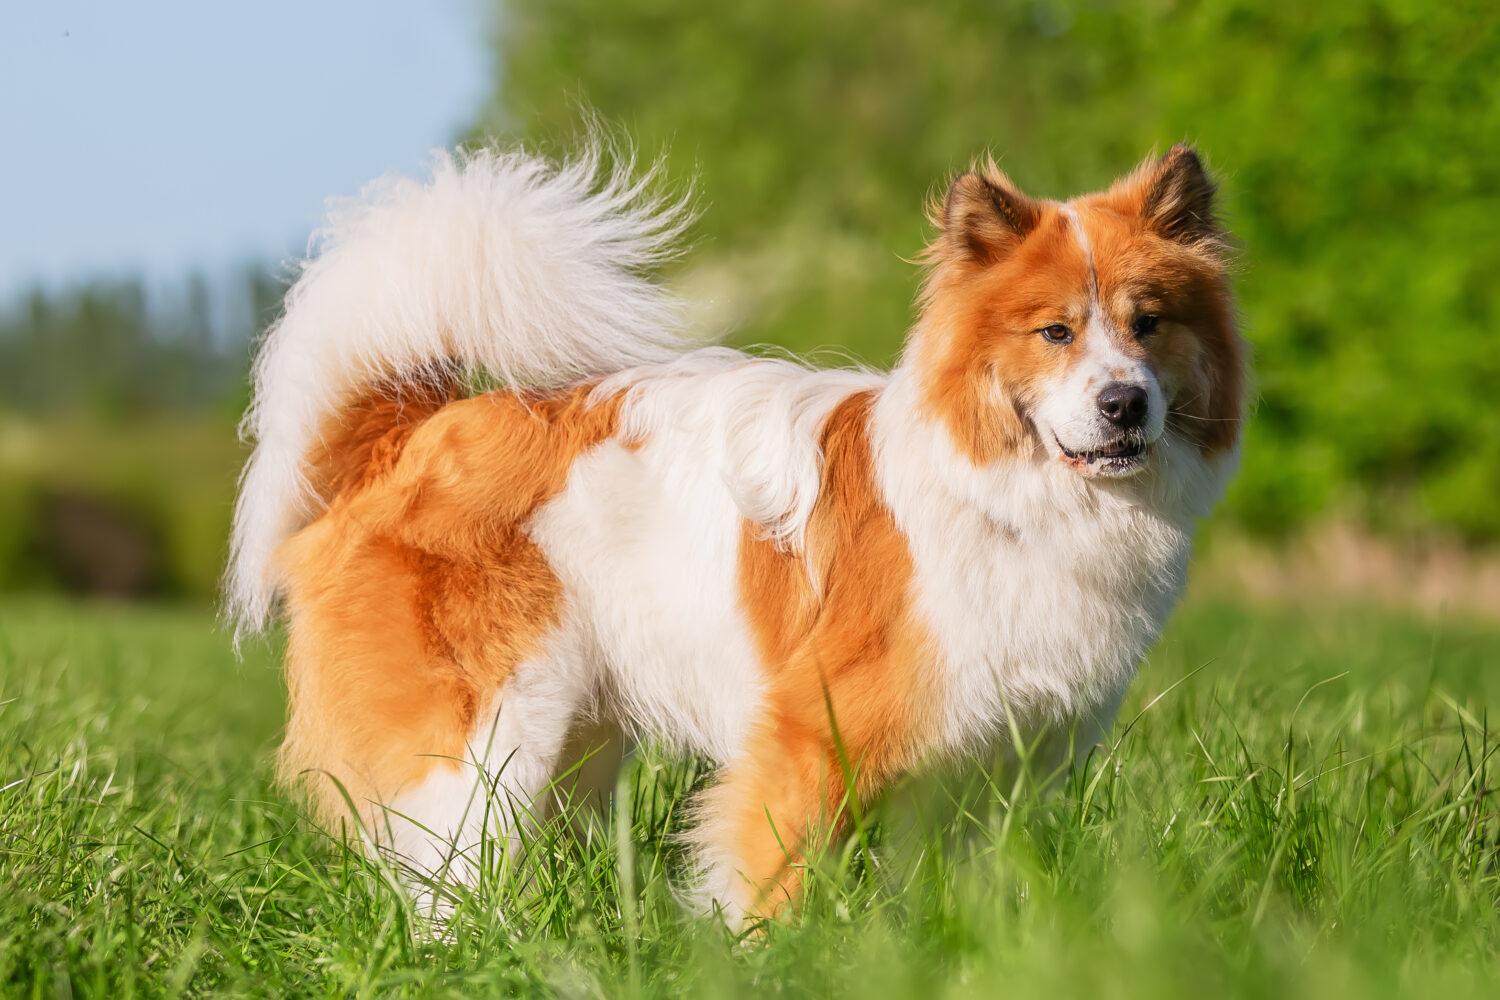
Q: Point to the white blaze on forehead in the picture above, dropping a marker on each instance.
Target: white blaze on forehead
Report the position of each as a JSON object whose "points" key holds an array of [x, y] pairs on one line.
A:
{"points": [[1100, 343], [1070, 411], [1076, 224]]}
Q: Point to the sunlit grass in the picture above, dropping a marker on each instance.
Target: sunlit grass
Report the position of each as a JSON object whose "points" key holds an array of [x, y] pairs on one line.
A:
{"points": [[1300, 806]]}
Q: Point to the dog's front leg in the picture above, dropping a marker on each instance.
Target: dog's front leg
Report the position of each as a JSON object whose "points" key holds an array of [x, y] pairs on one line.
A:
{"points": [[755, 824]]}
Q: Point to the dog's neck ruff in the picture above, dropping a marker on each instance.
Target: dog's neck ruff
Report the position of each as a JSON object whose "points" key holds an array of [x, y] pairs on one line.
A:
{"points": [[1040, 589]]}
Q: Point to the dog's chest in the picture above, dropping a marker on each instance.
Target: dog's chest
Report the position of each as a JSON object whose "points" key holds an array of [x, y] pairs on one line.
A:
{"points": [[1041, 624]]}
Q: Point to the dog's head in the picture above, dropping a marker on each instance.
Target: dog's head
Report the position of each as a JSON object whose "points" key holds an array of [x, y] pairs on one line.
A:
{"points": [[1082, 332]]}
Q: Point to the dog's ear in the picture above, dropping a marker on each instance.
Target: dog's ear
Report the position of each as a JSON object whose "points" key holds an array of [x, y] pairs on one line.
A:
{"points": [[984, 216], [1175, 197]]}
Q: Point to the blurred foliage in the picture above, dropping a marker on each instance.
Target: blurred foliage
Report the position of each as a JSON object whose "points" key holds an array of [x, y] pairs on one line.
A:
{"points": [[1358, 146], [111, 351], [117, 448], [166, 483]]}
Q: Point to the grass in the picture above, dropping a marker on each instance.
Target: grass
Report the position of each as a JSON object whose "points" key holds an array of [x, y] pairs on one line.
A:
{"points": [[1301, 807]]}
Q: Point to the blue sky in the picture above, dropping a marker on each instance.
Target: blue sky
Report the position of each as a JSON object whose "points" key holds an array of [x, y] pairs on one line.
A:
{"points": [[157, 136]]}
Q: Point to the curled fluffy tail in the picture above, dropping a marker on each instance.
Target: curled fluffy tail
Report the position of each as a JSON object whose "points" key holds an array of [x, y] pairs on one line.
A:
{"points": [[532, 273]]}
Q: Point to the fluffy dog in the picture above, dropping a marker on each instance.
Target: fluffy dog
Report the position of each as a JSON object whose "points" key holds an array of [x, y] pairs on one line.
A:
{"points": [[799, 574]]}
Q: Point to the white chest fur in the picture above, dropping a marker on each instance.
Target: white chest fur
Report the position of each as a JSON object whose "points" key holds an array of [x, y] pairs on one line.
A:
{"points": [[1042, 590]]}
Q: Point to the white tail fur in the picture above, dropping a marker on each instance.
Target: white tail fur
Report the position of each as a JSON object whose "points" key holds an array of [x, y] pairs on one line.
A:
{"points": [[532, 272]]}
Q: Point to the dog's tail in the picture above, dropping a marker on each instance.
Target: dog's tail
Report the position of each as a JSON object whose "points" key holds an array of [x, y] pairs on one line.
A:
{"points": [[534, 274]]}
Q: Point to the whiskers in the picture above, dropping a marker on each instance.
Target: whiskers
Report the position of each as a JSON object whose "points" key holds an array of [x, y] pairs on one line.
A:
{"points": [[1177, 412], [1181, 415]]}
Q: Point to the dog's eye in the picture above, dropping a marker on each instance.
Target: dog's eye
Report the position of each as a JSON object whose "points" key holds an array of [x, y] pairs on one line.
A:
{"points": [[1145, 323], [1057, 334]]}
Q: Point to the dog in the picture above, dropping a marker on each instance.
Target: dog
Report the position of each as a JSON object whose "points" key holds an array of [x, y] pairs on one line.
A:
{"points": [[816, 579]]}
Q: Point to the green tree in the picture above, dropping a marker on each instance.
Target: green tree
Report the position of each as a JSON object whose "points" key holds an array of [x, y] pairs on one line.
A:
{"points": [[1358, 144]]}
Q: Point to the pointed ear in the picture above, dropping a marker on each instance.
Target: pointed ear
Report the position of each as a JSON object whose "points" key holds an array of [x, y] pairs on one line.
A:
{"points": [[1180, 203], [1176, 197], [984, 216]]}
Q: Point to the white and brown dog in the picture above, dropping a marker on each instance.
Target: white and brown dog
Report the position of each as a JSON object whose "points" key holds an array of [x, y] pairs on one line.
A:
{"points": [[799, 574]]}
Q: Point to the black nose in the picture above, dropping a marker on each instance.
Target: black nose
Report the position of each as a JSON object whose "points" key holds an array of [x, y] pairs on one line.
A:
{"points": [[1123, 405]]}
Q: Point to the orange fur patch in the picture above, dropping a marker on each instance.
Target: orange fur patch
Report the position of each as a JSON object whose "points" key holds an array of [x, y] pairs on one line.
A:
{"points": [[846, 665], [981, 363], [364, 438], [414, 597]]}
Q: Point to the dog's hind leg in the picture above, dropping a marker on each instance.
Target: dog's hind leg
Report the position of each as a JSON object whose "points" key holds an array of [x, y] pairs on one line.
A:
{"points": [[458, 823], [431, 693]]}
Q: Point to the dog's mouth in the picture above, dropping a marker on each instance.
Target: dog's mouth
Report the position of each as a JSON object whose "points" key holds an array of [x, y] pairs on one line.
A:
{"points": [[1119, 458]]}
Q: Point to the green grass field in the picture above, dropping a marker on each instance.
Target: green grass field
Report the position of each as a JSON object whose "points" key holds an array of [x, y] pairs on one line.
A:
{"points": [[1300, 807]]}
